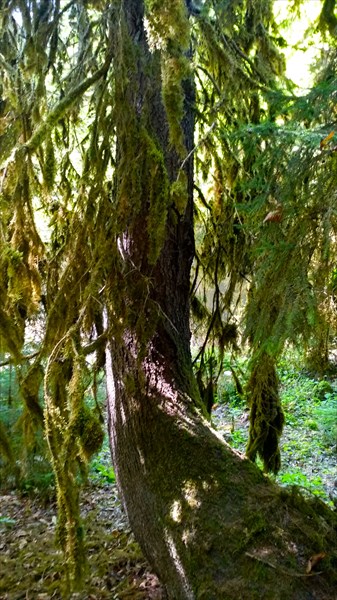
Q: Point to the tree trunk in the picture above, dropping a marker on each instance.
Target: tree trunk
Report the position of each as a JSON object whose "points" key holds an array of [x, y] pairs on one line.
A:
{"points": [[210, 523]]}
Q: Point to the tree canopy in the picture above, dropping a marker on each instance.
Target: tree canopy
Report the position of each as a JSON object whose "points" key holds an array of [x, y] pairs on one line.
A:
{"points": [[157, 162]]}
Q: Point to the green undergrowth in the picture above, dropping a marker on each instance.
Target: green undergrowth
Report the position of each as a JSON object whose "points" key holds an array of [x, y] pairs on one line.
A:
{"points": [[24, 457], [101, 470], [309, 440], [308, 443]]}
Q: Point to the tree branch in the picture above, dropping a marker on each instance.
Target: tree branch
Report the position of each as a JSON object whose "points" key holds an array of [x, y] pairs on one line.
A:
{"points": [[58, 111]]}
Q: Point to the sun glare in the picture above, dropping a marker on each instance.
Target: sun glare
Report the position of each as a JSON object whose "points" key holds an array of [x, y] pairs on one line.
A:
{"points": [[301, 56]]}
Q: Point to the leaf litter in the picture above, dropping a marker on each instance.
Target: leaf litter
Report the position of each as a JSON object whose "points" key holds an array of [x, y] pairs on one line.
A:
{"points": [[31, 566]]}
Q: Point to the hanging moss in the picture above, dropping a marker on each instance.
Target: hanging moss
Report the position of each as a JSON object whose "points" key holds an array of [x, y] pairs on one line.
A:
{"points": [[69, 530], [251, 161], [65, 423], [175, 69], [87, 428], [198, 309], [169, 31], [12, 335], [81, 218], [266, 415], [207, 390], [167, 23], [50, 164]]}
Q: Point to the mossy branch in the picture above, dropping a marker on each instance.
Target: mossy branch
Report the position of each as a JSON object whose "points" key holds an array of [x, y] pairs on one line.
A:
{"points": [[59, 110]]}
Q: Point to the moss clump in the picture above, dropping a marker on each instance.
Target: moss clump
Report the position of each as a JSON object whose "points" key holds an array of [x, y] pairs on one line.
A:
{"points": [[157, 188], [179, 194], [49, 170], [168, 29], [88, 429], [266, 415], [175, 69], [167, 22]]}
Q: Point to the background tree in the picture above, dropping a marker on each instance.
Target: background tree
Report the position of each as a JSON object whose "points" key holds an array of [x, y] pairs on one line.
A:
{"points": [[98, 112]]}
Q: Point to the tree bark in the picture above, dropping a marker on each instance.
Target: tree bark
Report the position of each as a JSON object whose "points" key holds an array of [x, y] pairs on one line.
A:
{"points": [[210, 523]]}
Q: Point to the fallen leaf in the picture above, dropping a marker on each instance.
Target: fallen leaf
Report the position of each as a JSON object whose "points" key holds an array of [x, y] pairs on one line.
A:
{"points": [[274, 216], [325, 140], [314, 560]]}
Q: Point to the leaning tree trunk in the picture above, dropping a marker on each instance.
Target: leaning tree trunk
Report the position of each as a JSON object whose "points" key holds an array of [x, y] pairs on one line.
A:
{"points": [[210, 523]]}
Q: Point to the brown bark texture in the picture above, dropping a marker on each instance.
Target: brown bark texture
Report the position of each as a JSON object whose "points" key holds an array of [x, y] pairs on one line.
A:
{"points": [[211, 524]]}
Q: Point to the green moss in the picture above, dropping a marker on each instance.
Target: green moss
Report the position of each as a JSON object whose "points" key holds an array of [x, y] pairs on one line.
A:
{"points": [[179, 194], [50, 165], [266, 415], [72, 432], [69, 531], [87, 428], [169, 31], [157, 186], [167, 22], [175, 69]]}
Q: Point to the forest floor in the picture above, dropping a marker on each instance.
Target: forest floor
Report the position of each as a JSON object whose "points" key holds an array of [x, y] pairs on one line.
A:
{"points": [[30, 564]]}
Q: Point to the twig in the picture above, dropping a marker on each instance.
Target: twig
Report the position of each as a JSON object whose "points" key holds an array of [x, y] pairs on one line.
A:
{"points": [[289, 572], [11, 361], [203, 139]]}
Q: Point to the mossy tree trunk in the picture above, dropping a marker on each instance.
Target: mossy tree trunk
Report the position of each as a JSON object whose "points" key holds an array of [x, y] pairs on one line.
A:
{"points": [[210, 523]]}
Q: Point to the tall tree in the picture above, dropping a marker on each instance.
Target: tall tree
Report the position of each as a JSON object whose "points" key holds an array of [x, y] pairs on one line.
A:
{"points": [[118, 192], [189, 498]]}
